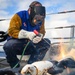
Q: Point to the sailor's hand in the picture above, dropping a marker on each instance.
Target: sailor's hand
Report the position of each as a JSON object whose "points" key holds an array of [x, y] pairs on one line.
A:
{"points": [[37, 38], [26, 34]]}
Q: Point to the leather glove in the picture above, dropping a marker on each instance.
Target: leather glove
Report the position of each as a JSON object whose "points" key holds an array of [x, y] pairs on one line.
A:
{"points": [[26, 34], [37, 38]]}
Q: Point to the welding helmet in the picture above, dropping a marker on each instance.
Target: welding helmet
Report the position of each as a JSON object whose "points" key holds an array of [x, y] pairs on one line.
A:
{"points": [[37, 13]]}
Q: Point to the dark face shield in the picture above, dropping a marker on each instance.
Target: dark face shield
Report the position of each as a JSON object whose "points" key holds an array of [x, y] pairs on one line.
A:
{"points": [[37, 15]]}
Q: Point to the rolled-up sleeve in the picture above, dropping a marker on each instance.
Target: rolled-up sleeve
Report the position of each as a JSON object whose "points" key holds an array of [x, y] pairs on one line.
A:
{"points": [[14, 26], [42, 29]]}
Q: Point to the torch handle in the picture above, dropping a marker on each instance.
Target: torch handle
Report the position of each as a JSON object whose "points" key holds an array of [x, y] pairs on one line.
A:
{"points": [[36, 32]]}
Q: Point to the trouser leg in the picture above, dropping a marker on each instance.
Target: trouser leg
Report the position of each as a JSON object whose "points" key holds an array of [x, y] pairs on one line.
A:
{"points": [[41, 49], [16, 47], [12, 48]]}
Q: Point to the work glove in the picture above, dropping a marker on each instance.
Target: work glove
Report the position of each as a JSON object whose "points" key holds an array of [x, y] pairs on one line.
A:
{"points": [[37, 38], [26, 34]]}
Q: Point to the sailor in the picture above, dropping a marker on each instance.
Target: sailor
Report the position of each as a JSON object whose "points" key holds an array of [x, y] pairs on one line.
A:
{"points": [[21, 31]]}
